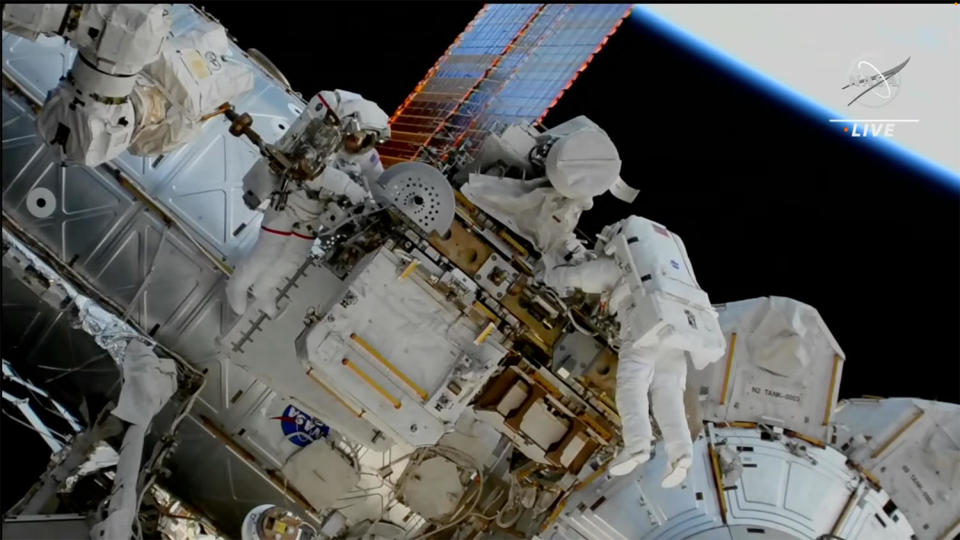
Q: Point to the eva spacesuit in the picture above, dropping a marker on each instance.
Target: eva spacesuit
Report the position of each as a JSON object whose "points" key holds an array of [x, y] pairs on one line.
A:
{"points": [[647, 281], [287, 235]]}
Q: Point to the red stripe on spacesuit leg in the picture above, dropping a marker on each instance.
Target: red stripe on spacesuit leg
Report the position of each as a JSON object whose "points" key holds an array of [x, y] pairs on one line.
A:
{"points": [[274, 231], [298, 235]]}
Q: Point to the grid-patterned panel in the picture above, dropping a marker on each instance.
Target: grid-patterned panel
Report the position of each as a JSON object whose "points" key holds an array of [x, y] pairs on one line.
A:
{"points": [[510, 65], [442, 93], [497, 27], [574, 36]]}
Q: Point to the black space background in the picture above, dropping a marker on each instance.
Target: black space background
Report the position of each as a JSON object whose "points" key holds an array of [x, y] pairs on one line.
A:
{"points": [[768, 200]]}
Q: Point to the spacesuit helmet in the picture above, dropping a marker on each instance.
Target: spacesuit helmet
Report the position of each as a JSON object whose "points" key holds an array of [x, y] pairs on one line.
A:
{"points": [[364, 123], [358, 141]]}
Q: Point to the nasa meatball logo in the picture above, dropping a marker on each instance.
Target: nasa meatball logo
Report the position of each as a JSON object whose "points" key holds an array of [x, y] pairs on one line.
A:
{"points": [[878, 80], [300, 428]]}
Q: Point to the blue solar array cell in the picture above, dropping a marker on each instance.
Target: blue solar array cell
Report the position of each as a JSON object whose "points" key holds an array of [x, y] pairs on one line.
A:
{"points": [[558, 41], [509, 66], [574, 33], [532, 36], [552, 64], [495, 29]]}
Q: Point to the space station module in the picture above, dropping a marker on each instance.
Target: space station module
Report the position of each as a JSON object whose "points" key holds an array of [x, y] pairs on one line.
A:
{"points": [[130, 86]]}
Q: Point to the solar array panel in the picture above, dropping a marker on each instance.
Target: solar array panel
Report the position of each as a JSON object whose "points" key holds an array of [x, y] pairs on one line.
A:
{"points": [[510, 65]]}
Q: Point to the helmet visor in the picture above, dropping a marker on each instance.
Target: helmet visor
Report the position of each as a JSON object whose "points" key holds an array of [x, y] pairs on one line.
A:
{"points": [[359, 142]]}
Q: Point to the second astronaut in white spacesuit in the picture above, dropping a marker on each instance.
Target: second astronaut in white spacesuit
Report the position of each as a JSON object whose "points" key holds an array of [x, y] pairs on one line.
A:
{"points": [[665, 318], [287, 235]]}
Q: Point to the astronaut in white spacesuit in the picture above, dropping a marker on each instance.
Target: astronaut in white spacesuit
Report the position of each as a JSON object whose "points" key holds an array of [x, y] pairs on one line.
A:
{"points": [[646, 279], [288, 234]]}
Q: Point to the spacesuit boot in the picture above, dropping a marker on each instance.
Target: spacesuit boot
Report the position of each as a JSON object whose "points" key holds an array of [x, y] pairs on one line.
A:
{"points": [[269, 245], [627, 460], [677, 473]]}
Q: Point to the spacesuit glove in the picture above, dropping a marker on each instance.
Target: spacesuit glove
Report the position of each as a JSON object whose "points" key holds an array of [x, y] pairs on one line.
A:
{"points": [[340, 183], [576, 253]]}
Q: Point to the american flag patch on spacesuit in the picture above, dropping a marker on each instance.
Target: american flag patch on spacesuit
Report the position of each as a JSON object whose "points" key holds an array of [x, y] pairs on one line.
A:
{"points": [[374, 157], [661, 230]]}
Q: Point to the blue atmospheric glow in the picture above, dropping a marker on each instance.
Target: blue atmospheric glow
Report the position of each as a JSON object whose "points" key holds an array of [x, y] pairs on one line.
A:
{"points": [[920, 164]]}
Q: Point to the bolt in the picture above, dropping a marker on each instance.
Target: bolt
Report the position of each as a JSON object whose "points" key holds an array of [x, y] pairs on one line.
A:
{"points": [[331, 318], [413, 428]]}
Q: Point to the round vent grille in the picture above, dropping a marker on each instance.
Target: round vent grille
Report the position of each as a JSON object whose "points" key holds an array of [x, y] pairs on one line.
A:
{"points": [[421, 193]]}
